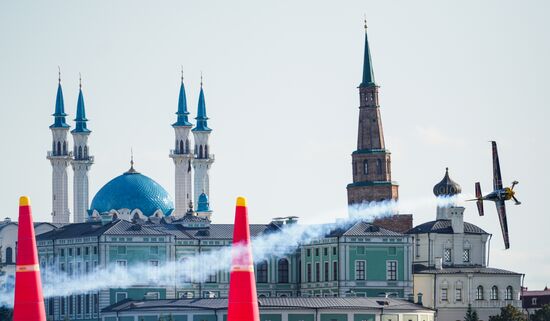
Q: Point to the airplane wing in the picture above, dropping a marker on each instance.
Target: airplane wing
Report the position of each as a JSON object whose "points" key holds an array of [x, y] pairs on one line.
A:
{"points": [[497, 177], [501, 209]]}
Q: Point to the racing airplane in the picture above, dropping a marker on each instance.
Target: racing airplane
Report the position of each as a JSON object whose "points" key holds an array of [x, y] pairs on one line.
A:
{"points": [[499, 195]]}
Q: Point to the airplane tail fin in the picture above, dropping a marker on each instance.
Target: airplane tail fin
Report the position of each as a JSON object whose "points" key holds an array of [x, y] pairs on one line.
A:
{"points": [[479, 198]]}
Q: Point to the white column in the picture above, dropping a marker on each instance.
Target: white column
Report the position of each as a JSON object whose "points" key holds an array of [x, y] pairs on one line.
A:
{"points": [[60, 158]]}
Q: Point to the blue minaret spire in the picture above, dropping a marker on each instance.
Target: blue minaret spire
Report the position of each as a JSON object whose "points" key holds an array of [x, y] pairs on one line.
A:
{"points": [[59, 114], [368, 72], [182, 112], [202, 119], [80, 113]]}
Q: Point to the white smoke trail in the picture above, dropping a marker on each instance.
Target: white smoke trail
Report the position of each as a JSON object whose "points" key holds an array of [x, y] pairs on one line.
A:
{"points": [[198, 267]]}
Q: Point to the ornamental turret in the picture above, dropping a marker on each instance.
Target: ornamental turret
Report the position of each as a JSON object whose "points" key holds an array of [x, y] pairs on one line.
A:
{"points": [[202, 157], [60, 158], [371, 161], [82, 161], [446, 191], [182, 155]]}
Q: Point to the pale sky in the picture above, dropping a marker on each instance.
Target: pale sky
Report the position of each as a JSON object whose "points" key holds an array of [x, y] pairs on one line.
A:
{"points": [[280, 81]]}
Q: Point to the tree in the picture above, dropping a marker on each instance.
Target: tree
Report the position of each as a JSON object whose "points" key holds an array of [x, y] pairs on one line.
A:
{"points": [[542, 314], [509, 313], [471, 314]]}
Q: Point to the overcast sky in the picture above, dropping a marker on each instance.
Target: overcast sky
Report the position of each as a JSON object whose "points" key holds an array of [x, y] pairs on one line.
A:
{"points": [[280, 82]]}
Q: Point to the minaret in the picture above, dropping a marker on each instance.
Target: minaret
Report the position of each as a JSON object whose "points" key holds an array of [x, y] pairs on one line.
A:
{"points": [[60, 158], [371, 161], [182, 155], [82, 161], [203, 159]]}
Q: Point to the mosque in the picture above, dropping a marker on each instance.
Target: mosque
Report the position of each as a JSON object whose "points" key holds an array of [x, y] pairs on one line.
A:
{"points": [[417, 273]]}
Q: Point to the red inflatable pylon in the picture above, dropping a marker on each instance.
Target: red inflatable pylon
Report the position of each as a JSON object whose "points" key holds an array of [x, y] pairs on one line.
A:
{"points": [[29, 301], [243, 302]]}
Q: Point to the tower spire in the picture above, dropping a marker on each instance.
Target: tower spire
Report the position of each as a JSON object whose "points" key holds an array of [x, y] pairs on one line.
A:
{"points": [[182, 113], [202, 119], [80, 126], [59, 113], [368, 72]]}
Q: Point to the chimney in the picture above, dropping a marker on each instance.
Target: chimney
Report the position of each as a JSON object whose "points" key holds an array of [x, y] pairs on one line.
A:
{"points": [[438, 263], [291, 220], [399, 223], [457, 219], [419, 301]]}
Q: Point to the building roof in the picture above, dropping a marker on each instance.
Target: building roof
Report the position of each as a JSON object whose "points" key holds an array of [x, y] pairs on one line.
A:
{"points": [[76, 230], [36, 224], [80, 119], [202, 119], [419, 269], [274, 303], [447, 187], [59, 114], [132, 190], [122, 227], [182, 112], [444, 227], [368, 71], [545, 292], [362, 228]]}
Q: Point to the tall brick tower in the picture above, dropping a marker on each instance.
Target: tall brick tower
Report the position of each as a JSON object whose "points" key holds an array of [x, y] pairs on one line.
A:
{"points": [[371, 161]]}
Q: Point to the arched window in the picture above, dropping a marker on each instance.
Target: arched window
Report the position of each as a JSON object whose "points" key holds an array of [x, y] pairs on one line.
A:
{"points": [[187, 146], [509, 293], [200, 151], [180, 151], [205, 151], [79, 152], [494, 293], [86, 152], [261, 272], [366, 167], [58, 148], [378, 166], [479, 293], [9, 255], [64, 148], [282, 269]]}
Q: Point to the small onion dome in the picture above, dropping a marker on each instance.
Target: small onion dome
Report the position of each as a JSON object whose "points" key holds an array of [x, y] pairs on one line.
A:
{"points": [[447, 187], [204, 205]]}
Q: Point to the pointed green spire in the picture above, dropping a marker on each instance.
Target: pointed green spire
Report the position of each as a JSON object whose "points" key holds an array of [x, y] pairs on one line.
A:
{"points": [[368, 72], [182, 113], [80, 114], [59, 114], [202, 124]]}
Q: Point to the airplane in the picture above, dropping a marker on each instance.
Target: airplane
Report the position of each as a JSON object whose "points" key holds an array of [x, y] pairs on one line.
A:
{"points": [[499, 195]]}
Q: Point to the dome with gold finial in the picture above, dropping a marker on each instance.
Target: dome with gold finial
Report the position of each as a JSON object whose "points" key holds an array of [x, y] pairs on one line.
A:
{"points": [[447, 187]]}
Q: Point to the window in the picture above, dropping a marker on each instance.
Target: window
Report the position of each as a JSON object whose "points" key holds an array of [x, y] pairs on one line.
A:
{"points": [[479, 293], [444, 295], [78, 304], [62, 252], [466, 255], [417, 247], [308, 252], [509, 293], [86, 251], [50, 306], [317, 252], [62, 267], [121, 264], [9, 255], [334, 250], [261, 271], [365, 167], [70, 251], [447, 256], [70, 268], [212, 278], [95, 302], [71, 307], [309, 272], [282, 270], [458, 295], [378, 166], [326, 273], [63, 303], [121, 296], [494, 293], [121, 249], [95, 249], [534, 301], [325, 251], [87, 267], [317, 272], [391, 270], [335, 270], [87, 303], [359, 270]]}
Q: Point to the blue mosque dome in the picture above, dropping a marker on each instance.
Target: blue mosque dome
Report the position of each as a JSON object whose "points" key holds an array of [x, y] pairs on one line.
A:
{"points": [[132, 190]]}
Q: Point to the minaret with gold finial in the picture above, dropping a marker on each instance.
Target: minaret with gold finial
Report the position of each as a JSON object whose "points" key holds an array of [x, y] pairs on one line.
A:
{"points": [[60, 158], [182, 155], [203, 158], [82, 160]]}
